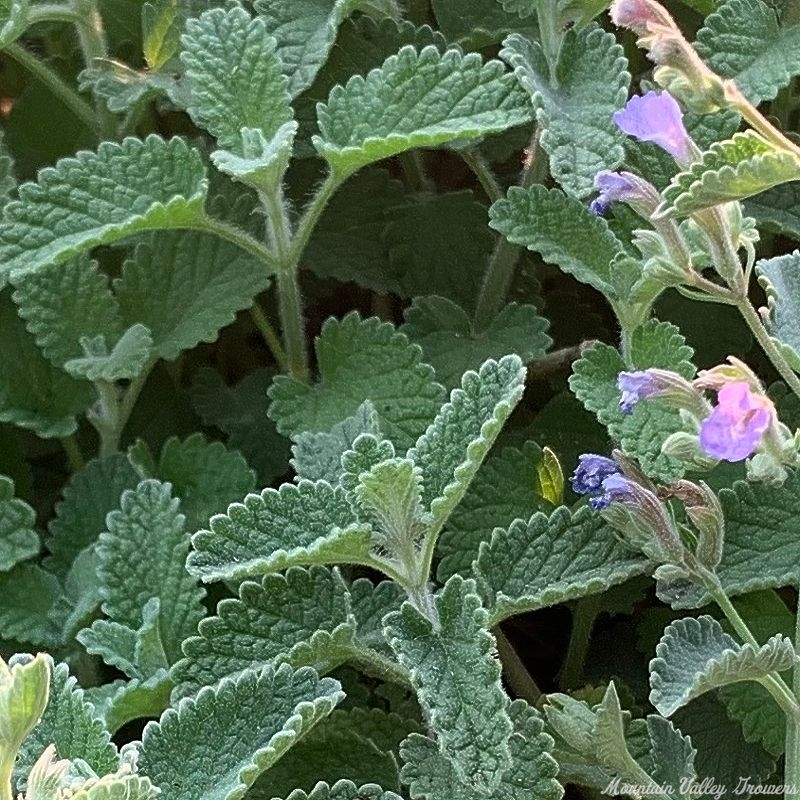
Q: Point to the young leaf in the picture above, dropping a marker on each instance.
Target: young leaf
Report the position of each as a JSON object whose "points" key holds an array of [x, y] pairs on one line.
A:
{"points": [[502, 491], [34, 394], [367, 452], [451, 450], [361, 360], [780, 278], [18, 540], [70, 724], [302, 617], [26, 614], [343, 790], [99, 198], [310, 523], [431, 775], [88, 497], [417, 100], [452, 347], [318, 456], [215, 745], [743, 40], [457, 679], [695, 656], [142, 557], [671, 752], [161, 30], [306, 32], [575, 105], [185, 287], [125, 361], [731, 170], [550, 560], [57, 326], [562, 230]]}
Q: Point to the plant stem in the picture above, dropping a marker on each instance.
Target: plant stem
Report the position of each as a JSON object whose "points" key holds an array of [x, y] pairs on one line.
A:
{"points": [[584, 615], [115, 410], [518, 677], [270, 336], [792, 758], [769, 347], [312, 215], [474, 159], [65, 93], [241, 239], [74, 455], [53, 12], [414, 169], [294, 334], [6, 770], [503, 262]]}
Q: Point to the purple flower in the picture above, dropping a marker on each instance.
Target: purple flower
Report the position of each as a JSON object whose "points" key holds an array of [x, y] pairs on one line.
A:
{"points": [[615, 488], [655, 117], [613, 187], [635, 386], [737, 424], [592, 470]]}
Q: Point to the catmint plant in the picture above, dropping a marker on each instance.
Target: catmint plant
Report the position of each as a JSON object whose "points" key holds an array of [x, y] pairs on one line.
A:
{"points": [[307, 310]]}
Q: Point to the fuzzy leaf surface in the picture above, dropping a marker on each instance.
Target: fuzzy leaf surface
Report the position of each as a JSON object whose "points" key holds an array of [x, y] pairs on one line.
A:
{"points": [[780, 277], [562, 230], [451, 450], [101, 197], [457, 679], [695, 656], [310, 523], [575, 106], [215, 745], [361, 360], [417, 99], [124, 361], [552, 559], [343, 790], [743, 40], [444, 332], [18, 539]]}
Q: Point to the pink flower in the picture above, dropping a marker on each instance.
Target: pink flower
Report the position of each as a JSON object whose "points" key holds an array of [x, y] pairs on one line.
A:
{"points": [[737, 424], [656, 117]]}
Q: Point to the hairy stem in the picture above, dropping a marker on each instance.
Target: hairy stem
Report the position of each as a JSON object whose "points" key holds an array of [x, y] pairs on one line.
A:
{"points": [[241, 239], [769, 347], [503, 262], [53, 12], [6, 770], [59, 88], [515, 672], [312, 215], [584, 615], [417, 179], [114, 408], [294, 334], [270, 336], [474, 159]]}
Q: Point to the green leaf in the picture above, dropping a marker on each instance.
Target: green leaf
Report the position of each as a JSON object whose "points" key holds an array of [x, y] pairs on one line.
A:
{"points": [[550, 478], [417, 100], [229, 735], [238, 92], [18, 540], [776, 210], [187, 286], [695, 656], [502, 491], [641, 433], [70, 724], [743, 40], [452, 347], [58, 327], [310, 523], [779, 278], [13, 20], [457, 679], [241, 412], [125, 361], [474, 23], [343, 790], [318, 456], [361, 360], [549, 560], [562, 230], [359, 744], [161, 32], [34, 394], [306, 31], [450, 452], [24, 689], [29, 596], [99, 198], [574, 106], [731, 170], [142, 557], [121, 702], [302, 617], [88, 497], [205, 475], [431, 775], [367, 452]]}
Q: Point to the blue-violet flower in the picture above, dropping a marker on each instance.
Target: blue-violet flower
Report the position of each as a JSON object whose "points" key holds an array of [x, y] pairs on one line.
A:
{"points": [[656, 117], [635, 386], [590, 473]]}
